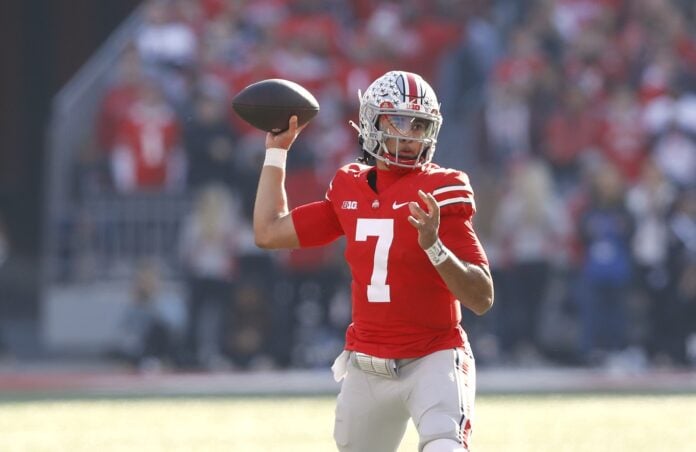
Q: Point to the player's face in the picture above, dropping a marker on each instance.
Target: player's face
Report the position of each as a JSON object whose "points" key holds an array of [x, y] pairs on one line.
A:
{"points": [[405, 127]]}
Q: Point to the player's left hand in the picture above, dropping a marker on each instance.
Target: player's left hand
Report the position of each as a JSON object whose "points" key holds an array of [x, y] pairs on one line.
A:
{"points": [[427, 223]]}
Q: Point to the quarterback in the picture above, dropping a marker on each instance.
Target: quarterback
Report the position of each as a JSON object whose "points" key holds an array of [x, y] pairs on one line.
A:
{"points": [[414, 259]]}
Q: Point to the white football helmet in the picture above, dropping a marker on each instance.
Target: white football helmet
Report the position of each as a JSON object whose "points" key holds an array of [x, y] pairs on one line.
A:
{"points": [[410, 103]]}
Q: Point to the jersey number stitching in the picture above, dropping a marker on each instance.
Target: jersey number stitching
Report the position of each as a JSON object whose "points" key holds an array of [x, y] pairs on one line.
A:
{"points": [[383, 229]]}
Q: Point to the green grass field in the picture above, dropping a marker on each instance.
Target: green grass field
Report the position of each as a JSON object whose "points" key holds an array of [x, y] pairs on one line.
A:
{"points": [[504, 423]]}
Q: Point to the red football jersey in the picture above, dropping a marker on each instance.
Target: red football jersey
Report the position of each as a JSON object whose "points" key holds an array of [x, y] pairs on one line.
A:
{"points": [[401, 306], [151, 135]]}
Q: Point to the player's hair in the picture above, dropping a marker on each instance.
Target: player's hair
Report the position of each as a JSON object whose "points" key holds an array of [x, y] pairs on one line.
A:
{"points": [[365, 157]]}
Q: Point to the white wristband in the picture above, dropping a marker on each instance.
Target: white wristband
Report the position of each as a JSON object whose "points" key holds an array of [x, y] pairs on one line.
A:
{"points": [[437, 253], [276, 157]]}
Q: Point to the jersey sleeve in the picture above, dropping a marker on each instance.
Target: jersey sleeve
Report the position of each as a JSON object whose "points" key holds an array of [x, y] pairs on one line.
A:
{"points": [[316, 223], [459, 236], [455, 196]]}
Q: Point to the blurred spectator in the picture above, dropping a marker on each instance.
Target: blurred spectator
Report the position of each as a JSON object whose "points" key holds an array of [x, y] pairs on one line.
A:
{"points": [[120, 95], [605, 231], [675, 153], [571, 17], [246, 337], [570, 132], [508, 125], [209, 141], [620, 141], [209, 250], [670, 119], [385, 22], [515, 81], [190, 13], [147, 155], [466, 69], [151, 327], [650, 202], [338, 144], [294, 61], [676, 343], [164, 40], [523, 63], [531, 230], [167, 42]]}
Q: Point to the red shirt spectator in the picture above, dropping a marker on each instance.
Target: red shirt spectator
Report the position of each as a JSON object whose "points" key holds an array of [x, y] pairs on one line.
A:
{"points": [[114, 108], [524, 64], [621, 141], [119, 97], [570, 130], [147, 145]]}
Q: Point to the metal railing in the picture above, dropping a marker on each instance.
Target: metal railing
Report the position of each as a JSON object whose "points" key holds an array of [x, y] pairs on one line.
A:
{"points": [[70, 131], [109, 233]]}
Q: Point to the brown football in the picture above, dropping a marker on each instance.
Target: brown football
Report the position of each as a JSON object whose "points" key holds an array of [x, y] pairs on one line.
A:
{"points": [[269, 104]]}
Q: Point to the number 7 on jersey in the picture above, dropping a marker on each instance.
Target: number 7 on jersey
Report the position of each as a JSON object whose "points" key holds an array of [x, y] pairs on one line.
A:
{"points": [[383, 229]]}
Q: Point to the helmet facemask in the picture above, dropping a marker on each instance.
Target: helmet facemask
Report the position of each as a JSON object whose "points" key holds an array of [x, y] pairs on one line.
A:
{"points": [[389, 117]]}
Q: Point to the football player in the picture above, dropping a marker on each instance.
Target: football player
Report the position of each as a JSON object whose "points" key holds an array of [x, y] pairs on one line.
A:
{"points": [[414, 260]]}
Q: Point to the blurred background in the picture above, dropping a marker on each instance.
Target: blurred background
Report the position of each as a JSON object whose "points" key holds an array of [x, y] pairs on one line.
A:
{"points": [[127, 184]]}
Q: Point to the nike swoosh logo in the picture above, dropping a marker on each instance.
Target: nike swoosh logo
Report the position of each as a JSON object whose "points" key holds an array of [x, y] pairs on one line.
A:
{"points": [[399, 205]]}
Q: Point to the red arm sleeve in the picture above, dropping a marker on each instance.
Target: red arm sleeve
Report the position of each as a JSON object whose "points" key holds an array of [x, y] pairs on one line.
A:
{"points": [[316, 223], [457, 208], [457, 234]]}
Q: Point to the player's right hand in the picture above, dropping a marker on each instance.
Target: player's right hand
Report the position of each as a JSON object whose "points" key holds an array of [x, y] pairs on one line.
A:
{"points": [[284, 139]]}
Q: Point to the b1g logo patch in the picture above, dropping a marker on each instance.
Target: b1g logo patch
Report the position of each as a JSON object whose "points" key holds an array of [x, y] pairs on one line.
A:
{"points": [[349, 205]]}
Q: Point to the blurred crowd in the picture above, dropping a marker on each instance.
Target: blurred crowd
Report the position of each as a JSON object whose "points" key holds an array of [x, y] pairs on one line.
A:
{"points": [[575, 119]]}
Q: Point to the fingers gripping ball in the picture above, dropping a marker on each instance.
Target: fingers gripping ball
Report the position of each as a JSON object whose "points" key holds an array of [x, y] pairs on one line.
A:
{"points": [[269, 104]]}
